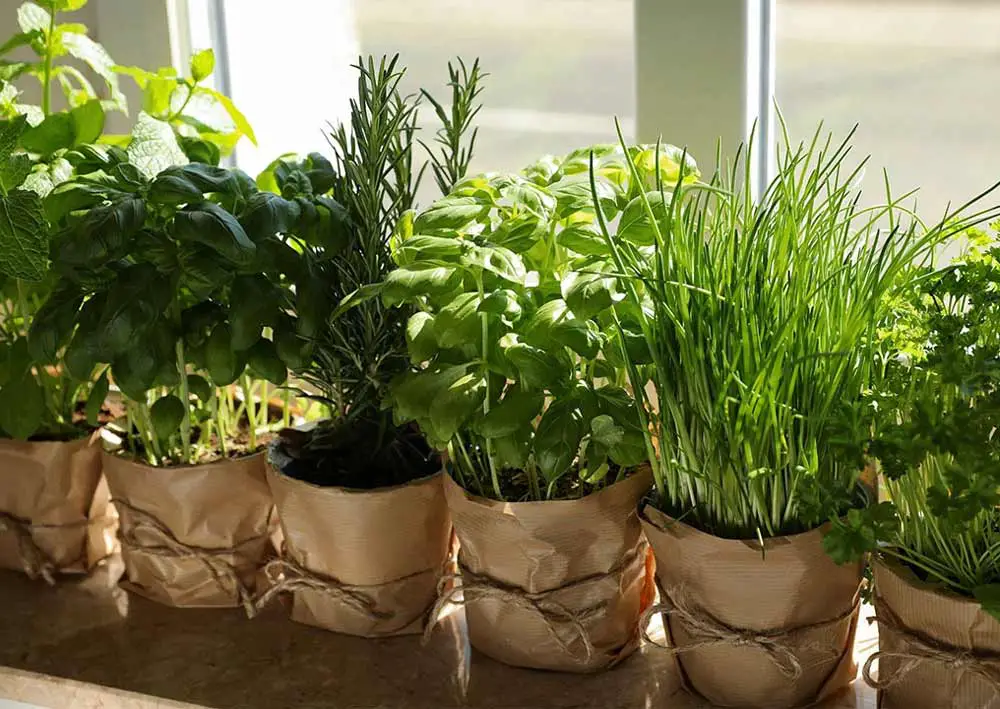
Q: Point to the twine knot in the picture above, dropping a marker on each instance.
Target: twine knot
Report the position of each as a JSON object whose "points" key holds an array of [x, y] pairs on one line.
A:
{"points": [[713, 632], [223, 572], [919, 649], [286, 575]]}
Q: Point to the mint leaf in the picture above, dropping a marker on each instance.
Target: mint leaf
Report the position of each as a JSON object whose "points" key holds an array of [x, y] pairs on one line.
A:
{"points": [[97, 58], [32, 18], [154, 146], [23, 236], [13, 171]]}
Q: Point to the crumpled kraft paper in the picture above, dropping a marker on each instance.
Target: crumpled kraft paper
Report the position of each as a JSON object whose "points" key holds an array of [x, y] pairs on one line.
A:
{"points": [[54, 494], [788, 612], [367, 562], [937, 650], [194, 535], [557, 585]]}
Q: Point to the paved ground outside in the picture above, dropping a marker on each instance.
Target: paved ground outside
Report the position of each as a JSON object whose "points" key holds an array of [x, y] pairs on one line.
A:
{"points": [[921, 77]]}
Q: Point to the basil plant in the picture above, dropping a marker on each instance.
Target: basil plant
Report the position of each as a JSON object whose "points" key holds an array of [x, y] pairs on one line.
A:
{"points": [[520, 327], [175, 287]]}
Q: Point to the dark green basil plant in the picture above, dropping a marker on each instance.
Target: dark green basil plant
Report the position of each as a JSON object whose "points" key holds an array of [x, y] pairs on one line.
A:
{"points": [[174, 287]]}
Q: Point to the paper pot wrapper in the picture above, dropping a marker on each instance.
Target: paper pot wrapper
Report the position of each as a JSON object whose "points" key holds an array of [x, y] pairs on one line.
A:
{"points": [[362, 562], [752, 627], [193, 535], [937, 650], [554, 585], [54, 511]]}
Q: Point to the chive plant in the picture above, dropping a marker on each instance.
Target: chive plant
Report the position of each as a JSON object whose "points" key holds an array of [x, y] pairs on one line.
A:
{"points": [[759, 318]]}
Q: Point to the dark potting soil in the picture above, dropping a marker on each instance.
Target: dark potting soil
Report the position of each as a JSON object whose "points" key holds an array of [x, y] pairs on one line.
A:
{"points": [[359, 454], [516, 485]]}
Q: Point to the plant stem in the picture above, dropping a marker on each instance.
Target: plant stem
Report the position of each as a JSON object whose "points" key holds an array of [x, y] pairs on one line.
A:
{"points": [[47, 70], [251, 410], [186, 399], [486, 400], [286, 415]]}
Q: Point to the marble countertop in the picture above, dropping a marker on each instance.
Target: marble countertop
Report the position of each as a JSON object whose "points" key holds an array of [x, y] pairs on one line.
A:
{"points": [[89, 631]]}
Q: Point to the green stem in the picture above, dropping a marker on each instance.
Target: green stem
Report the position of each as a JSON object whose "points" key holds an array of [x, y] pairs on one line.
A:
{"points": [[218, 409], [486, 400], [47, 70], [286, 414], [186, 399], [251, 411], [173, 116]]}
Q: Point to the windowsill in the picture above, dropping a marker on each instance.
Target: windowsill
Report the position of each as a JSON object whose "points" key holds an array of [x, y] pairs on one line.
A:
{"points": [[87, 632]]}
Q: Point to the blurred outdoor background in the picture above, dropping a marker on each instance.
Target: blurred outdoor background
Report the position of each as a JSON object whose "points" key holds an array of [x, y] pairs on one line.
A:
{"points": [[921, 77]]}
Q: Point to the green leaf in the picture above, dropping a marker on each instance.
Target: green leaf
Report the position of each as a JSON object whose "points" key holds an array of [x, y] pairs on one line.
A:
{"points": [[512, 451], [166, 415], [503, 303], [404, 284], [209, 224], [200, 151], [635, 225], [574, 194], [24, 240], [450, 213], [32, 18], [202, 65], [413, 392], [428, 248], [237, 117], [452, 408], [420, 339], [267, 214], [558, 437], [96, 57], [265, 362], [589, 294], [88, 122], [56, 132], [53, 324], [295, 351], [65, 5], [554, 325], [537, 368], [98, 393], [224, 365], [253, 306], [20, 39], [154, 147], [584, 239], [605, 431], [172, 188], [200, 387], [459, 323], [13, 171], [22, 406], [517, 410]]}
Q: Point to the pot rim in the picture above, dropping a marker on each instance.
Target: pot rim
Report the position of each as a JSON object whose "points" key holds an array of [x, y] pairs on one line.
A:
{"points": [[111, 455]]}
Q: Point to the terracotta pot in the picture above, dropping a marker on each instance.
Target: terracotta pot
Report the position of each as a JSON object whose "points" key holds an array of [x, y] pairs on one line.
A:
{"points": [[193, 535], [362, 562], [556, 585], [937, 650], [54, 512], [754, 626]]}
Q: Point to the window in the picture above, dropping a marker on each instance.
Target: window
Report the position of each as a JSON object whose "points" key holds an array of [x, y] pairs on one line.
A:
{"points": [[922, 79]]}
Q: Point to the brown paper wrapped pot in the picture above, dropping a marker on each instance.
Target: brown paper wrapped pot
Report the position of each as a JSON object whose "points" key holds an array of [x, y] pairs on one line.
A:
{"points": [[555, 585], [53, 506], [937, 650], [386, 548], [792, 594], [193, 535]]}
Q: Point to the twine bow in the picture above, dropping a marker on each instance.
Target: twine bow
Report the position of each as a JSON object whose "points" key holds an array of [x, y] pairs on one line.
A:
{"points": [[294, 577], [920, 649], [33, 558], [214, 560], [478, 586], [714, 632]]}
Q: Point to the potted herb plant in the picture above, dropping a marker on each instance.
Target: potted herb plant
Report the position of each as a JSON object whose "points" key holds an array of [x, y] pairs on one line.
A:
{"points": [[367, 533], [176, 280], [53, 506], [936, 568], [757, 319], [519, 379]]}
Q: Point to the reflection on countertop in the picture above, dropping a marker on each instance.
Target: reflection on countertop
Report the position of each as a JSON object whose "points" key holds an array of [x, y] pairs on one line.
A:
{"points": [[90, 631]]}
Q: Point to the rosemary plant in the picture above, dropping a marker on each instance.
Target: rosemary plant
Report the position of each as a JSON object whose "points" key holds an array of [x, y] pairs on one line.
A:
{"points": [[451, 162], [359, 350], [759, 319]]}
